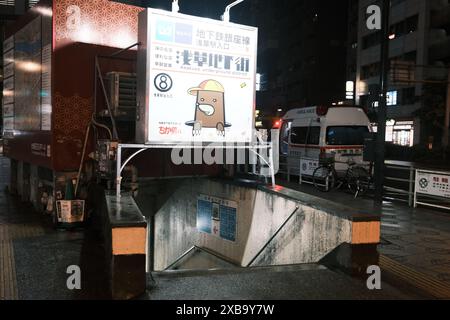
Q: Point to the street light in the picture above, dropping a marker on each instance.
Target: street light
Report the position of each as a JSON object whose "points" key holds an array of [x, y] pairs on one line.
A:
{"points": [[226, 14]]}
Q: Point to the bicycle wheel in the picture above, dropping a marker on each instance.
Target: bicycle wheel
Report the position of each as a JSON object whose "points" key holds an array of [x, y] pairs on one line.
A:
{"points": [[324, 179], [358, 179]]}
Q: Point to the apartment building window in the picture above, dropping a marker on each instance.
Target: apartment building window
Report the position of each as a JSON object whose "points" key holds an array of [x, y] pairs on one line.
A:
{"points": [[403, 133], [407, 57], [7, 2], [392, 98], [400, 133], [405, 27], [412, 24], [369, 71], [408, 96], [399, 29], [371, 40], [410, 56]]}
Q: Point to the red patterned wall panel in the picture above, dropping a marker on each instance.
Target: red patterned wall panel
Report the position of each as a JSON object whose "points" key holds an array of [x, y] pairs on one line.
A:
{"points": [[100, 22], [73, 98], [82, 30]]}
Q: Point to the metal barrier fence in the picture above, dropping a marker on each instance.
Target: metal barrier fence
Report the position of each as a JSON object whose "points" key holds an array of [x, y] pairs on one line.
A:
{"points": [[400, 181], [399, 184], [399, 178]]}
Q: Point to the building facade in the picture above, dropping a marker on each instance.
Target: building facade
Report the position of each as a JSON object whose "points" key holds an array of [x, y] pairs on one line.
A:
{"points": [[302, 52], [419, 51]]}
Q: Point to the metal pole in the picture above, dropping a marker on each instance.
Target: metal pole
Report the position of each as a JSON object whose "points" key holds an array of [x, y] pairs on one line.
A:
{"points": [[415, 192], [272, 169], [118, 170], [95, 87], [382, 108], [111, 115], [445, 141], [175, 6], [411, 186], [226, 14], [124, 49], [152, 242]]}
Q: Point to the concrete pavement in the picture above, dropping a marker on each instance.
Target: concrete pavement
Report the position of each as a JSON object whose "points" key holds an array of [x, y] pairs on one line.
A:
{"points": [[417, 238], [34, 256], [301, 282]]}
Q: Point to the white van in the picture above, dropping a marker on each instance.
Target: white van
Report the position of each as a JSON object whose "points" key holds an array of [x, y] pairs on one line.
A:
{"points": [[310, 133]]}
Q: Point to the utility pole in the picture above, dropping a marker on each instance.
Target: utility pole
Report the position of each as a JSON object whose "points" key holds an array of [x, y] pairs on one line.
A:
{"points": [[445, 141], [382, 107]]}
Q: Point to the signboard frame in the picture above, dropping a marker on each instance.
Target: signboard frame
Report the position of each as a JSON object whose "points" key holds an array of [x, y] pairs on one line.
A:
{"points": [[213, 217], [143, 135], [304, 173], [423, 182]]}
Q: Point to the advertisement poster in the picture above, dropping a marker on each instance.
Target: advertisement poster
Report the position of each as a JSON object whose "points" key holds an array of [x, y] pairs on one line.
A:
{"points": [[217, 217], [201, 81], [70, 211]]}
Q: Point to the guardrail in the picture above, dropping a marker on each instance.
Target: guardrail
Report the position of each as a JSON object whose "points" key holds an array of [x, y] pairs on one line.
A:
{"points": [[399, 179], [432, 189], [404, 181], [287, 171]]}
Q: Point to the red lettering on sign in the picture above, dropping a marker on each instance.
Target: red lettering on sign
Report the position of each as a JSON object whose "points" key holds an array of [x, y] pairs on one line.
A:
{"points": [[168, 130]]}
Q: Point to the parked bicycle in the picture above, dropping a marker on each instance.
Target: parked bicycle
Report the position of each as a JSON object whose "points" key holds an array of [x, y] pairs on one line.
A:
{"points": [[357, 179]]}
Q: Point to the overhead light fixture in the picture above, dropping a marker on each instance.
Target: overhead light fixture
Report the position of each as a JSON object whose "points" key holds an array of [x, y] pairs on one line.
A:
{"points": [[226, 14], [175, 6]]}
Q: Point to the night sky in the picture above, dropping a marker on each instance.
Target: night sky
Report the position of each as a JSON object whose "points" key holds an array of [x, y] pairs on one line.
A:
{"points": [[205, 8]]}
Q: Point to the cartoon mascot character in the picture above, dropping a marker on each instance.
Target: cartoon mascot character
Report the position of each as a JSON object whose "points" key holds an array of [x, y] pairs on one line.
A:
{"points": [[209, 107]]}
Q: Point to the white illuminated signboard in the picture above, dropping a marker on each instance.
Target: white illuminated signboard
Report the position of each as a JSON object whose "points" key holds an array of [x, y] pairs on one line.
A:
{"points": [[199, 77], [432, 189]]}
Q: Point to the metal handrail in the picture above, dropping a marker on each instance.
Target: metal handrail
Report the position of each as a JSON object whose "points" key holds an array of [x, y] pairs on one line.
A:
{"points": [[180, 258], [273, 237], [409, 191], [397, 179], [200, 249]]}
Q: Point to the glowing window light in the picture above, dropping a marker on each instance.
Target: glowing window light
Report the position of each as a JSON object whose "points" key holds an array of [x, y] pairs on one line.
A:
{"points": [[391, 98]]}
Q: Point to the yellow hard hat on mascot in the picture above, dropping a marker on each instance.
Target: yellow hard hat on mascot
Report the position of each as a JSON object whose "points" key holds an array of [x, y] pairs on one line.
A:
{"points": [[207, 85]]}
